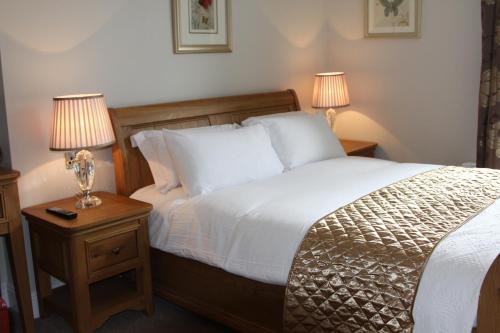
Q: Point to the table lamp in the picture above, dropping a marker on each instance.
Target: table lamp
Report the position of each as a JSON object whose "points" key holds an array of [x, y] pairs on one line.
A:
{"points": [[330, 91], [81, 123]]}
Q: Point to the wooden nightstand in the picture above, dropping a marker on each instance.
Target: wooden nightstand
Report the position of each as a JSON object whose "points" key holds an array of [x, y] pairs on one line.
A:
{"points": [[102, 256], [359, 148]]}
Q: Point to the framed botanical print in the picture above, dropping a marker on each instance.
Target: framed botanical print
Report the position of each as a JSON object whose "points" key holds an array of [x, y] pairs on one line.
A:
{"points": [[393, 18], [201, 26]]}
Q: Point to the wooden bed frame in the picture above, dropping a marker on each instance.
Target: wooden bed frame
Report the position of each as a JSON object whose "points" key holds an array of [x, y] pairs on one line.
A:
{"points": [[238, 302]]}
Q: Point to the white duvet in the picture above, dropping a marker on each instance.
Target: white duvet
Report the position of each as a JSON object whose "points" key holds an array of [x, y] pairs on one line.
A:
{"points": [[253, 230]]}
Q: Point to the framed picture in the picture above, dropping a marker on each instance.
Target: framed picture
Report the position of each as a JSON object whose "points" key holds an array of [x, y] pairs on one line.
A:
{"points": [[201, 26], [393, 18]]}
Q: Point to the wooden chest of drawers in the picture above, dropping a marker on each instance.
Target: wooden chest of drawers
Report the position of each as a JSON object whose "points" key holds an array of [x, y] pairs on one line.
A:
{"points": [[3, 217], [11, 226], [4, 227]]}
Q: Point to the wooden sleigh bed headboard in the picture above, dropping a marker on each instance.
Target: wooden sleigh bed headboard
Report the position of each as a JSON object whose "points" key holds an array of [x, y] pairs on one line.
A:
{"points": [[131, 169]]}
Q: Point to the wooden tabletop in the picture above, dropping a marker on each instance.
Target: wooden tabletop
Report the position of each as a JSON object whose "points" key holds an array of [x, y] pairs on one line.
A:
{"points": [[113, 208], [8, 174], [355, 146]]}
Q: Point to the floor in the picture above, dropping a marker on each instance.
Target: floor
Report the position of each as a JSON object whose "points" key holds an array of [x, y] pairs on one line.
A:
{"points": [[167, 318]]}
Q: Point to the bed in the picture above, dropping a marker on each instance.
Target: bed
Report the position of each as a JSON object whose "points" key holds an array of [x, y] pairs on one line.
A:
{"points": [[239, 302]]}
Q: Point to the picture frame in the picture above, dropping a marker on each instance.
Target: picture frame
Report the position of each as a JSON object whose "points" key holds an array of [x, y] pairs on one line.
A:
{"points": [[201, 26], [393, 18]]}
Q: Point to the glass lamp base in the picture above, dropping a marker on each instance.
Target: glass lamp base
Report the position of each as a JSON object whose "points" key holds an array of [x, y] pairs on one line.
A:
{"points": [[84, 167], [88, 202], [330, 117]]}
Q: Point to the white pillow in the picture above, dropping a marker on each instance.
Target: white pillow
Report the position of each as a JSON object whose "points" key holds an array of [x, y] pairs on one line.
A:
{"points": [[209, 161], [300, 140], [152, 145], [153, 148]]}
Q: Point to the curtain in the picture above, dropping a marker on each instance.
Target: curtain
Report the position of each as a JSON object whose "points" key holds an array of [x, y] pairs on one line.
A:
{"points": [[488, 138]]}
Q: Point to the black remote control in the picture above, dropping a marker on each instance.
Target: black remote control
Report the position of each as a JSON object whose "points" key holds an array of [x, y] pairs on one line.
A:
{"points": [[63, 213]]}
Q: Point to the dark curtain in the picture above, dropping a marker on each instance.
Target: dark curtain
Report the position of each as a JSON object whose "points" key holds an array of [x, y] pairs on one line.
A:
{"points": [[488, 140]]}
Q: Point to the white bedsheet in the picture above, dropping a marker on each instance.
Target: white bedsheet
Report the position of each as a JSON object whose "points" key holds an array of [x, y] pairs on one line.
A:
{"points": [[253, 230]]}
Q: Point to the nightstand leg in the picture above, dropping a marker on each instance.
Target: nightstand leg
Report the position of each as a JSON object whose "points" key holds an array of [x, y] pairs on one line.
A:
{"points": [[143, 281], [43, 289], [79, 289], [80, 299], [42, 279]]}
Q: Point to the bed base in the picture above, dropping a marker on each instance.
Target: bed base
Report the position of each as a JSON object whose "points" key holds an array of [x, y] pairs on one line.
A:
{"points": [[250, 306], [243, 304]]}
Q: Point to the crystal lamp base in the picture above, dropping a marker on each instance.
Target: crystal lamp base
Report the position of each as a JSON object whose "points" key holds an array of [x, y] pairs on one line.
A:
{"points": [[84, 167], [88, 202], [330, 117]]}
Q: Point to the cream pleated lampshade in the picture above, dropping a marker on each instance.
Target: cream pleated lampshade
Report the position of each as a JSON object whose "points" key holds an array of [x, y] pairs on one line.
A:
{"points": [[81, 122], [330, 90]]}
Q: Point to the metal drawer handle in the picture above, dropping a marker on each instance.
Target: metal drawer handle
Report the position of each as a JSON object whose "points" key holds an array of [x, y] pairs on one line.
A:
{"points": [[116, 251]]}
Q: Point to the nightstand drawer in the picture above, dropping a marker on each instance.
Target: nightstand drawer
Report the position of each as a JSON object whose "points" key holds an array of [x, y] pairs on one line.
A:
{"points": [[111, 250]]}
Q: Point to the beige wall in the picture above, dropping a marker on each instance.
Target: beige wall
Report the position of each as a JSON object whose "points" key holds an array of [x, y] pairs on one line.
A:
{"points": [[417, 98], [123, 48]]}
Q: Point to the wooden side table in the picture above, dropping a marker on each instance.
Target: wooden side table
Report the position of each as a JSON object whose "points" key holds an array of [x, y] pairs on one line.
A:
{"points": [[102, 256], [359, 148], [11, 226]]}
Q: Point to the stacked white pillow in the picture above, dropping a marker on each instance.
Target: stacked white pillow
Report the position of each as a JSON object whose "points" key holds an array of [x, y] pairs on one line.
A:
{"points": [[208, 161], [300, 138], [153, 147]]}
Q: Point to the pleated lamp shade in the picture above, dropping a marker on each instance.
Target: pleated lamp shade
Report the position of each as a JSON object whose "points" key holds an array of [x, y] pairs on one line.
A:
{"points": [[330, 90], [81, 122]]}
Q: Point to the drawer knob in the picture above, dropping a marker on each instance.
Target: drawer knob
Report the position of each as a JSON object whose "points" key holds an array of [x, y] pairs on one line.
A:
{"points": [[116, 251]]}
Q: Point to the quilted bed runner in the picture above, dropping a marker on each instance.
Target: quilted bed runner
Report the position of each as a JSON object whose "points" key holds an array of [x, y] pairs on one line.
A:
{"points": [[358, 269]]}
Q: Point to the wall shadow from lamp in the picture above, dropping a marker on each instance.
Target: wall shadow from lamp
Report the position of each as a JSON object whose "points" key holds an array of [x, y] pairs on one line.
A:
{"points": [[362, 124], [81, 22], [292, 30]]}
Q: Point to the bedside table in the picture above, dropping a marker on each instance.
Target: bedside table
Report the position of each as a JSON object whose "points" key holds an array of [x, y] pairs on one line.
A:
{"points": [[102, 256], [359, 148]]}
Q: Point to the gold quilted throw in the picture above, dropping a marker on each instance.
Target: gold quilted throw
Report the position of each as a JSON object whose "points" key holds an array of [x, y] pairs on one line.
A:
{"points": [[358, 269]]}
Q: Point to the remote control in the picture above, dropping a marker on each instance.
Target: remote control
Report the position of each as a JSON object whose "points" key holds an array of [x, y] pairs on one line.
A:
{"points": [[63, 213]]}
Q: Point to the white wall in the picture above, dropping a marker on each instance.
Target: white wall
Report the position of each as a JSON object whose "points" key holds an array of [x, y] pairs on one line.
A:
{"points": [[123, 48], [416, 97]]}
